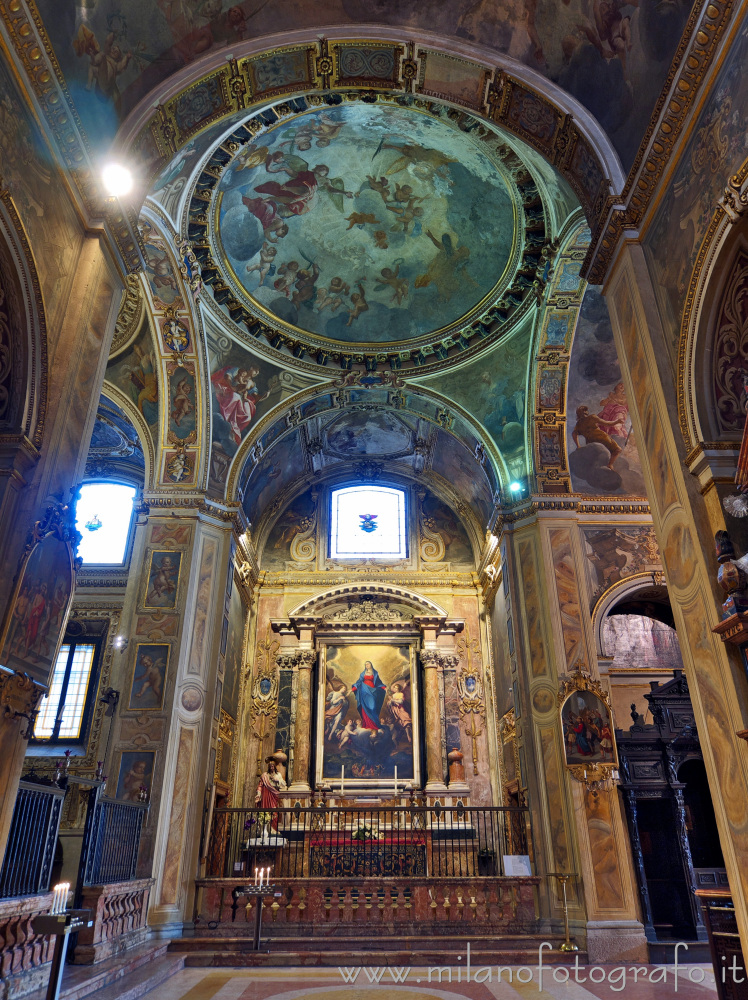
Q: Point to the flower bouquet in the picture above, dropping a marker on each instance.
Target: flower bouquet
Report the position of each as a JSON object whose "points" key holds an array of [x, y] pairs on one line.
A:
{"points": [[366, 831]]}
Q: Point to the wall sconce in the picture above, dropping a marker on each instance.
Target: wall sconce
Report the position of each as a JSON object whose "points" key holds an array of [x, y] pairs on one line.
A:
{"points": [[120, 643], [111, 699]]}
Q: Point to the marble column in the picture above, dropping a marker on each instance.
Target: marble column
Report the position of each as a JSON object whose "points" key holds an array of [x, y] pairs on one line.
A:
{"points": [[306, 659], [431, 661]]}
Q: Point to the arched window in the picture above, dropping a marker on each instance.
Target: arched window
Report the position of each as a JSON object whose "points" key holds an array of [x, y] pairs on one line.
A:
{"points": [[368, 522], [104, 518]]}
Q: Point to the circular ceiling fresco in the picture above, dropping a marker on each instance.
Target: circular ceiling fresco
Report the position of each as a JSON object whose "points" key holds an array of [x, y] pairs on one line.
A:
{"points": [[365, 224]]}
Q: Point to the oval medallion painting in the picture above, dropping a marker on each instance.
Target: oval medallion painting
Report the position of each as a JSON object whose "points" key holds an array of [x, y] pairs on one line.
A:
{"points": [[365, 224]]}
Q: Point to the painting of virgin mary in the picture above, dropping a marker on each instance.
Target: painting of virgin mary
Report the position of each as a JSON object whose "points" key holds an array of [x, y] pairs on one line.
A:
{"points": [[370, 693], [367, 713]]}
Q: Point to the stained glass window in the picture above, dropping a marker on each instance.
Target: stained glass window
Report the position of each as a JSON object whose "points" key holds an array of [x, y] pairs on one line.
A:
{"points": [[368, 522], [103, 517]]}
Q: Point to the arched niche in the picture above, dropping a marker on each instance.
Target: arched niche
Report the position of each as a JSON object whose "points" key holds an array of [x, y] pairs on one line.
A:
{"points": [[291, 448], [636, 643], [442, 536]]}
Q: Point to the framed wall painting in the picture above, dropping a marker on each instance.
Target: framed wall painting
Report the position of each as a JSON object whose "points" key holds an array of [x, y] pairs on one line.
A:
{"points": [[135, 770], [38, 611], [163, 580], [367, 715], [149, 677], [587, 725]]}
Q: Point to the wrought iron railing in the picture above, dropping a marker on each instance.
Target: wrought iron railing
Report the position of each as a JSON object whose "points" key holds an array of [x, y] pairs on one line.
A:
{"points": [[30, 852], [111, 840], [375, 842]]}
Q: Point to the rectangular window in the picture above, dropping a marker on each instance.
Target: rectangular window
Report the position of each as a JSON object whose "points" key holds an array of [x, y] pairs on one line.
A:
{"points": [[62, 713], [368, 522]]}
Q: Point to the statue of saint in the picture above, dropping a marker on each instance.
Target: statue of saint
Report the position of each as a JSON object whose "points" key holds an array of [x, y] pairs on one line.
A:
{"points": [[269, 787]]}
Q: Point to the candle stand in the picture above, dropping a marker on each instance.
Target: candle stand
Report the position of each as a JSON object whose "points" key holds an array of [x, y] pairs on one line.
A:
{"points": [[563, 877], [61, 925], [257, 891]]}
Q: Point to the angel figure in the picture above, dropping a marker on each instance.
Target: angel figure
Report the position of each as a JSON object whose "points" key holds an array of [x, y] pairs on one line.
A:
{"points": [[105, 64]]}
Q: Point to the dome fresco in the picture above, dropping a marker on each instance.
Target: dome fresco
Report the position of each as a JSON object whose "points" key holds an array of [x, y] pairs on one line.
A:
{"points": [[365, 224]]}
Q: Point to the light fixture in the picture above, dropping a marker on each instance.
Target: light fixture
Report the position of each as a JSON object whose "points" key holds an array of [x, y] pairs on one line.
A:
{"points": [[515, 487], [117, 180]]}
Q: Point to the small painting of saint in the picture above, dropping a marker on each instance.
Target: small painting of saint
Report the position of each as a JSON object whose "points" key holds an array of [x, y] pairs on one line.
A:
{"points": [[588, 729]]}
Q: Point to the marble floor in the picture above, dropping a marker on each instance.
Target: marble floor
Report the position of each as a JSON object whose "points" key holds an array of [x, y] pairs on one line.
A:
{"points": [[652, 982]]}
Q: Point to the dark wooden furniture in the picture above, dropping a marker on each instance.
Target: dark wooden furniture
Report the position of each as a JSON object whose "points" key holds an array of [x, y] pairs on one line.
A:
{"points": [[670, 817], [724, 944]]}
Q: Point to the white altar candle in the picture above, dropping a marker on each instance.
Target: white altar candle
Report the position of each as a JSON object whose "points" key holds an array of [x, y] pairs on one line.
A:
{"points": [[395, 780], [256, 870], [342, 778], [262, 872]]}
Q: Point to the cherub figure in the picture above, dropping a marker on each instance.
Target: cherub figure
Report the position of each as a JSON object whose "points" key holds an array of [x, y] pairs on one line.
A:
{"points": [[359, 304], [105, 65], [263, 265], [287, 274], [182, 404], [404, 193], [380, 240], [399, 285], [360, 219], [164, 580], [332, 296], [381, 185], [406, 215], [152, 678]]}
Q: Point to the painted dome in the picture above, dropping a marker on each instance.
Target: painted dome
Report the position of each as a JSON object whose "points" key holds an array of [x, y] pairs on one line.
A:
{"points": [[365, 225]]}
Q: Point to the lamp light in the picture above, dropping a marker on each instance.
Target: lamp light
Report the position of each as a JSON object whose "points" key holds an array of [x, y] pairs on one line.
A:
{"points": [[117, 180]]}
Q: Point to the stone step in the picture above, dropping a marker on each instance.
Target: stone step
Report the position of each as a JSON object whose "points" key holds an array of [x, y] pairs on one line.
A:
{"points": [[423, 952], [142, 980], [339, 939], [80, 981]]}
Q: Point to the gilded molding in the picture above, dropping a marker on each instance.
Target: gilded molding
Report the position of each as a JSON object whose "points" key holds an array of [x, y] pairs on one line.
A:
{"points": [[730, 210], [706, 26], [19, 695], [130, 314]]}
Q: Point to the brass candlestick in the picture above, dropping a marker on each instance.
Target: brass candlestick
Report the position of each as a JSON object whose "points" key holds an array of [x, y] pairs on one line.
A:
{"points": [[563, 877]]}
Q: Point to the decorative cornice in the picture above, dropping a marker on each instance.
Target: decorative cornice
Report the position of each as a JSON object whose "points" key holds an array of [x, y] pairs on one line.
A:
{"points": [[161, 505]]}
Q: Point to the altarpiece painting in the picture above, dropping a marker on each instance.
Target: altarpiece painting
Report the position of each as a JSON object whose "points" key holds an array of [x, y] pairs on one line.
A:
{"points": [[367, 723]]}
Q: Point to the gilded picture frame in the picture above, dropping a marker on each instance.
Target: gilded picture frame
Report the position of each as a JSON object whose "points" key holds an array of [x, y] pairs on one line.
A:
{"points": [[162, 583], [587, 729], [149, 672], [368, 716]]}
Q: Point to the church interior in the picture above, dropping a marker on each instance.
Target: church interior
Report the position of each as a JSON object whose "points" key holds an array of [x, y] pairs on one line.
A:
{"points": [[373, 586]]}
